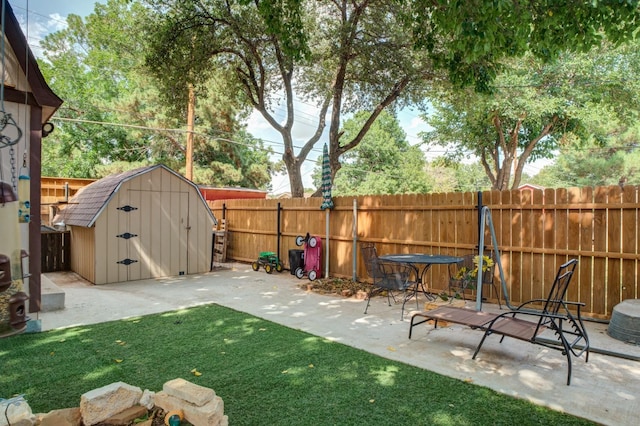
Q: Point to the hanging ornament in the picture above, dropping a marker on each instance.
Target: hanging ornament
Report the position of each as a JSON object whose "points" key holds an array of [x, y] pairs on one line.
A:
{"points": [[24, 189], [10, 133]]}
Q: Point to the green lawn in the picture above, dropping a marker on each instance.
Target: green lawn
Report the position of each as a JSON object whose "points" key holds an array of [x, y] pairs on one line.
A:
{"points": [[266, 374]]}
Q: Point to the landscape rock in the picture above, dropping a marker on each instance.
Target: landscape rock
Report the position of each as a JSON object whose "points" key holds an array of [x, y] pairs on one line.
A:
{"points": [[19, 413], [127, 416], [190, 392], [63, 417], [100, 404], [210, 413], [147, 399]]}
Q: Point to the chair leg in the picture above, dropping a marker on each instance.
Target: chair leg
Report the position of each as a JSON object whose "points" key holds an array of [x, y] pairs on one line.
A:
{"points": [[369, 296], [404, 302], [568, 368], [368, 301], [497, 294], [484, 336], [413, 324]]}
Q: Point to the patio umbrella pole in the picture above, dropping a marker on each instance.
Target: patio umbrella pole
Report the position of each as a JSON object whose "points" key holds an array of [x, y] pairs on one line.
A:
{"points": [[326, 256]]}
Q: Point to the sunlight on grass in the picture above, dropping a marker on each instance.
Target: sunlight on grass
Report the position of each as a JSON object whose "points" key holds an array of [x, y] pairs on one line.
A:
{"points": [[387, 375], [448, 419], [101, 372]]}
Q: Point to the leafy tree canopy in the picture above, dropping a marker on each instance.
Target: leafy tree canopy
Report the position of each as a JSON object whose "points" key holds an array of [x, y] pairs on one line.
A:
{"points": [[470, 38], [114, 114], [340, 56], [594, 164], [537, 107], [383, 163]]}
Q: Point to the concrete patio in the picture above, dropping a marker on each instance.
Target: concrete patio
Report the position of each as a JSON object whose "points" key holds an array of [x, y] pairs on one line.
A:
{"points": [[605, 390]]}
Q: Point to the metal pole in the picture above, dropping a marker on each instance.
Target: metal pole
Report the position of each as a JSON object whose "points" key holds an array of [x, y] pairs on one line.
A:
{"points": [[487, 220], [480, 224], [355, 240], [279, 210], [326, 256]]}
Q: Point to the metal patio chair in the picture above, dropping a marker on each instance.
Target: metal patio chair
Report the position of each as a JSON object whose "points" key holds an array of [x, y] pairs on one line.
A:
{"points": [[458, 285], [392, 277]]}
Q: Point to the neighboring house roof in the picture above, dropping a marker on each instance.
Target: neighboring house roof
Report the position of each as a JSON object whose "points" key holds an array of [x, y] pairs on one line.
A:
{"points": [[24, 58], [85, 207], [530, 186]]}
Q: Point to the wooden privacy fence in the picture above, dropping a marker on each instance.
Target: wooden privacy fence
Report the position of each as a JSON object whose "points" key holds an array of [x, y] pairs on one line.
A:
{"points": [[55, 190], [56, 251], [537, 230]]}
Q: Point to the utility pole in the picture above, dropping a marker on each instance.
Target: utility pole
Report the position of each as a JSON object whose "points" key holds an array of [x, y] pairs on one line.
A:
{"points": [[191, 108]]}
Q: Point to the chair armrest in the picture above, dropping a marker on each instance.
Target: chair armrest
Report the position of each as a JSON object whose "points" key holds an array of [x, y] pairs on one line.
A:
{"points": [[523, 304], [578, 304], [395, 267], [530, 312]]}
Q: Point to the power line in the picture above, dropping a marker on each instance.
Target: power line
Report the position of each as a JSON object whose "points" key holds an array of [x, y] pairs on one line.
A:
{"points": [[159, 129]]}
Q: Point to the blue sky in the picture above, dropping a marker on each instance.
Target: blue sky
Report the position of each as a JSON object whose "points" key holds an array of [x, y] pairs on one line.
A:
{"points": [[46, 16]]}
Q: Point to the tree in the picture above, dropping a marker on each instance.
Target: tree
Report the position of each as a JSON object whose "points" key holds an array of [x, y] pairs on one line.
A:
{"points": [[470, 39], [535, 108], [89, 77], [383, 163], [97, 66], [348, 56], [593, 164], [343, 56], [457, 177]]}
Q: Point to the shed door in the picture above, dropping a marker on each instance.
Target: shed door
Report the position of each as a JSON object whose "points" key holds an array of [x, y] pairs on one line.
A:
{"points": [[161, 227]]}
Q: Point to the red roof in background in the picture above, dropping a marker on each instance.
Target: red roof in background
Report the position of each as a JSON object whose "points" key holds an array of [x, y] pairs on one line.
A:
{"points": [[212, 194]]}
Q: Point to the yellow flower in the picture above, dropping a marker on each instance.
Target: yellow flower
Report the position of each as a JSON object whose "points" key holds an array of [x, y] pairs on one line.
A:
{"points": [[468, 275], [462, 273]]}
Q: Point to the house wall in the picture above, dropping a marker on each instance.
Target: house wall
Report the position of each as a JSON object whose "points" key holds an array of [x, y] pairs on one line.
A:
{"points": [[170, 227], [83, 258], [11, 162]]}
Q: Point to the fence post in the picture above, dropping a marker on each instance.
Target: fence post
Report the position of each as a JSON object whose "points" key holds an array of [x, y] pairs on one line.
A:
{"points": [[279, 231]]}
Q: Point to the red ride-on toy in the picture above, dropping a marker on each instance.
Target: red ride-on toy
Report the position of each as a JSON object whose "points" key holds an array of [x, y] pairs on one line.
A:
{"points": [[269, 260], [312, 255]]}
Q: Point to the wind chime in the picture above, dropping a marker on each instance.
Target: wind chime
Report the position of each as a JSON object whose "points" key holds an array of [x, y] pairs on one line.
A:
{"points": [[13, 211]]}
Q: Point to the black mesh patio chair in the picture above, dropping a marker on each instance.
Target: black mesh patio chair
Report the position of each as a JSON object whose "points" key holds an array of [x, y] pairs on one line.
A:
{"points": [[457, 285], [390, 277]]}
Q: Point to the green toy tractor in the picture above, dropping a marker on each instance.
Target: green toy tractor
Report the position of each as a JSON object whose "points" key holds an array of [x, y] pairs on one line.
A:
{"points": [[269, 260]]}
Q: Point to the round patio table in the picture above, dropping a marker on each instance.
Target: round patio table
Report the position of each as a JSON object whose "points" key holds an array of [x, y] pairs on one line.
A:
{"points": [[417, 259]]}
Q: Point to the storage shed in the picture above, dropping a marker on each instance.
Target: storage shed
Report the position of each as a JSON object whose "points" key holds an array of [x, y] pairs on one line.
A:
{"points": [[144, 223]]}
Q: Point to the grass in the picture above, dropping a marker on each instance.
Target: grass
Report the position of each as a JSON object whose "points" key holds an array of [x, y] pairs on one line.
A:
{"points": [[267, 374]]}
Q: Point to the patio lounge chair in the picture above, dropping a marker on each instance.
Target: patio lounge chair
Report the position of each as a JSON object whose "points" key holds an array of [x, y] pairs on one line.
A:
{"points": [[528, 323], [391, 277]]}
